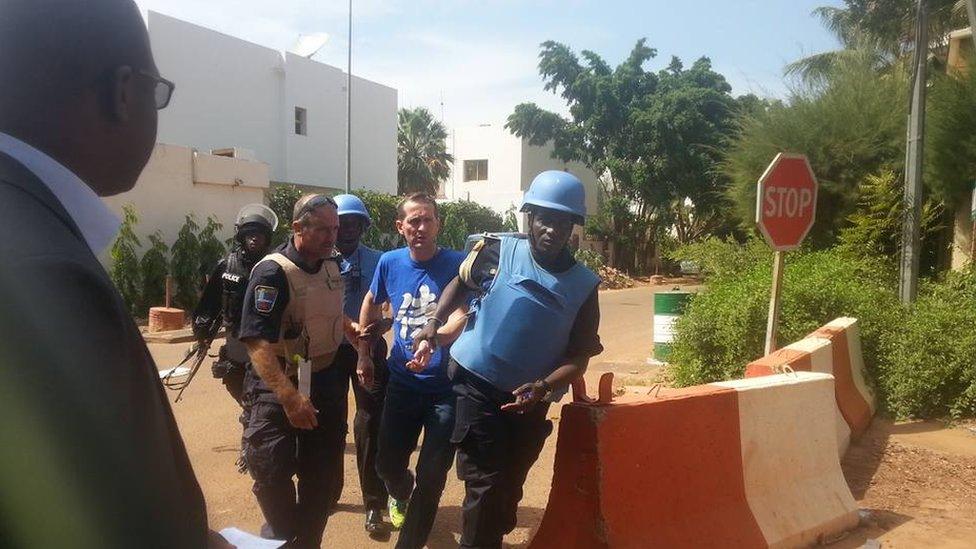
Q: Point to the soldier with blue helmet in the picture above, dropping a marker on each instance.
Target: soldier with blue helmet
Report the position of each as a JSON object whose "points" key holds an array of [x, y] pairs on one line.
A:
{"points": [[357, 265], [532, 332]]}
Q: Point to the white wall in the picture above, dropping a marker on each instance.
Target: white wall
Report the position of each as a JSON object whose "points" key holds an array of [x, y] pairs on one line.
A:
{"points": [[503, 188], [227, 91], [512, 165], [231, 93], [166, 191]]}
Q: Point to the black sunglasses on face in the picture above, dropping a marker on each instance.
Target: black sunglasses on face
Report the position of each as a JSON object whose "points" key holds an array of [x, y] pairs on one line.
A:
{"points": [[162, 88]]}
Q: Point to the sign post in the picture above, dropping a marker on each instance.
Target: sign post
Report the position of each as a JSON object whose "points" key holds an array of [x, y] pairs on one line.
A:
{"points": [[786, 205]]}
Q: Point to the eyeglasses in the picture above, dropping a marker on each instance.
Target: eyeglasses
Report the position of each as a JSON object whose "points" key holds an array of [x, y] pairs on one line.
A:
{"points": [[317, 201], [162, 88]]}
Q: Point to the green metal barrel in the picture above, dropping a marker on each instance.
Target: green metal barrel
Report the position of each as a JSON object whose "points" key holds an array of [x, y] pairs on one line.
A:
{"points": [[668, 307]]}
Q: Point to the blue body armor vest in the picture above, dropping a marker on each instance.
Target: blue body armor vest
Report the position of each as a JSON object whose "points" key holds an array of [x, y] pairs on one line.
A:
{"points": [[520, 330]]}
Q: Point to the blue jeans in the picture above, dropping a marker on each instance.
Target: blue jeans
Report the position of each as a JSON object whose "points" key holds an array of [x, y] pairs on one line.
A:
{"points": [[405, 412]]}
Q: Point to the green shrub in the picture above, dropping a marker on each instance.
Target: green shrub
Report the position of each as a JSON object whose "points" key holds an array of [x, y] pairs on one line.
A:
{"points": [[591, 259], [281, 200], [718, 258], [381, 234], [154, 267], [185, 264], [931, 367], [724, 327], [124, 270], [212, 249]]}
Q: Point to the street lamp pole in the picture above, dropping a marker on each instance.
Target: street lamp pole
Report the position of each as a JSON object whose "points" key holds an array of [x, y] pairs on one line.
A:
{"points": [[349, 107], [908, 278]]}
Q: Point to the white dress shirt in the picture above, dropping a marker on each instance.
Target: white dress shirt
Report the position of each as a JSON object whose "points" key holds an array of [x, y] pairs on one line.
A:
{"points": [[97, 223]]}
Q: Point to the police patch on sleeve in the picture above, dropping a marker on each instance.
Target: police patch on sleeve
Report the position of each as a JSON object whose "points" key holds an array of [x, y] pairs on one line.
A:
{"points": [[265, 298]]}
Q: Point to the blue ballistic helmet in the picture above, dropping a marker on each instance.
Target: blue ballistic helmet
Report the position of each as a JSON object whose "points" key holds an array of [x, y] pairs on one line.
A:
{"points": [[557, 190], [351, 204]]}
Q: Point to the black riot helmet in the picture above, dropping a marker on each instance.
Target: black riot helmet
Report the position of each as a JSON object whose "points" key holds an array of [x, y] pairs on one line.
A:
{"points": [[255, 217]]}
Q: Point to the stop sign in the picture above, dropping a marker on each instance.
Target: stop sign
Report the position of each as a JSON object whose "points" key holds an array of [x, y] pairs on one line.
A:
{"points": [[786, 201]]}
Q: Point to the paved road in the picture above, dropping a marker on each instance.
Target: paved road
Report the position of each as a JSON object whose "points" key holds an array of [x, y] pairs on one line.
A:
{"points": [[208, 421]]}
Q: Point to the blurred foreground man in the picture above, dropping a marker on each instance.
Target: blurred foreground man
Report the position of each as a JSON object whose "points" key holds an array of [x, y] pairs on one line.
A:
{"points": [[532, 332], [92, 455]]}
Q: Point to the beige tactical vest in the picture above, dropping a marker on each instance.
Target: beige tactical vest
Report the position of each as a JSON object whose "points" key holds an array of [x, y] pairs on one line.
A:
{"points": [[314, 311]]}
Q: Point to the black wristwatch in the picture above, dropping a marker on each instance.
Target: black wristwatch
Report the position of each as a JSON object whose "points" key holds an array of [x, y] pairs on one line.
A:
{"points": [[435, 319]]}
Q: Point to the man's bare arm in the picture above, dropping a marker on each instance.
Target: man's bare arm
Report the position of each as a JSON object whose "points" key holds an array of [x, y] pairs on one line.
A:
{"points": [[369, 313], [298, 407]]}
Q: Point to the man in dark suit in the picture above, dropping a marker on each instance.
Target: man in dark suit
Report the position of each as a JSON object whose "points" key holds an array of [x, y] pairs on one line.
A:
{"points": [[91, 455]]}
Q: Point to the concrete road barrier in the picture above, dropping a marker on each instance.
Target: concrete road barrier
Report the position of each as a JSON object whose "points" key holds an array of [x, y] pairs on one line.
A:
{"points": [[740, 464], [833, 349]]}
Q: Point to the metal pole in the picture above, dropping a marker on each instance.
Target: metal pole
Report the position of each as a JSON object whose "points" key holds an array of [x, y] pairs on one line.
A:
{"points": [[772, 323], [971, 13], [349, 107], [908, 280]]}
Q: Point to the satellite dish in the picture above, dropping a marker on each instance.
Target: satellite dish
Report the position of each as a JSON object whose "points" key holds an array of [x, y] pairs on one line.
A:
{"points": [[309, 44]]}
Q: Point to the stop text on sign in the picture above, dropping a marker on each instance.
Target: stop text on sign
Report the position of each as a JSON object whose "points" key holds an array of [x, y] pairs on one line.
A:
{"points": [[787, 202]]}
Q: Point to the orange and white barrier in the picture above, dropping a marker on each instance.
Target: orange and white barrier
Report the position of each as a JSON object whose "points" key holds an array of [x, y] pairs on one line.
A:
{"points": [[832, 349], [739, 464]]}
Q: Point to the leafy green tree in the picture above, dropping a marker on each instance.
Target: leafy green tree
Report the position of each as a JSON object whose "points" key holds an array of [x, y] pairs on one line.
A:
{"points": [[653, 136], [510, 220], [950, 142], [850, 126], [422, 157], [185, 264], [154, 267], [124, 271]]}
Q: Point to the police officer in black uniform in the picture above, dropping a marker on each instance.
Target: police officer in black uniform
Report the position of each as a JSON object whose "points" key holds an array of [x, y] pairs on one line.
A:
{"points": [[223, 297], [292, 323]]}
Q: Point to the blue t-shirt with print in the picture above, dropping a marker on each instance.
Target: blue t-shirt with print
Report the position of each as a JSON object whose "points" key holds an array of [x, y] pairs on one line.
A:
{"points": [[413, 290]]}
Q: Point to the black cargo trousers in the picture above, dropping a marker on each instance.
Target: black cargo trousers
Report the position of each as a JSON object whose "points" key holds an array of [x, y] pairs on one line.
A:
{"points": [[276, 452], [495, 451]]}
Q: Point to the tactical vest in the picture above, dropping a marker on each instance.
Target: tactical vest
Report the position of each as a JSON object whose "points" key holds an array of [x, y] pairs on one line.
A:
{"points": [[520, 331], [234, 281], [312, 320]]}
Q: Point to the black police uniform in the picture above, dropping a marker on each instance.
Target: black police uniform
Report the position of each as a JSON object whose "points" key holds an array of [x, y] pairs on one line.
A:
{"points": [[224, 295], [274, 450], [496, 448]]}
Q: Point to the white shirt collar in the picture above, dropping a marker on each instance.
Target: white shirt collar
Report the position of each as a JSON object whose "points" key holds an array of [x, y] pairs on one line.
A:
{"points": [[97, 223]]}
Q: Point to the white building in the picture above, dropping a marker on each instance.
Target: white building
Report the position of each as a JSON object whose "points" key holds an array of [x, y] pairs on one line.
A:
{"points": [[494, 168], [178, 181], [278, 108]]}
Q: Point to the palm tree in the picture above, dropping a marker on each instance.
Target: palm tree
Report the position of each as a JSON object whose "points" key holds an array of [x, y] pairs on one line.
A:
{"points": [[422, 157], [883, 30]]}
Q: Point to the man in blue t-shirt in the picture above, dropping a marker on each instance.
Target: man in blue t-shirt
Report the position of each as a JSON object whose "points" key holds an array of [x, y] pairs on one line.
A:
{"points": [[411, 280]]}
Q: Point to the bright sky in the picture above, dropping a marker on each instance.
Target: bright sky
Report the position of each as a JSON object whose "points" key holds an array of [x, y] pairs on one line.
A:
{"points": [[479, 58]]}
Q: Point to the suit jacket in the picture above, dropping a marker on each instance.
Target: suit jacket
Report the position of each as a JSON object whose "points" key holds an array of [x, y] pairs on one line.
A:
{"points": [[90, 454]]}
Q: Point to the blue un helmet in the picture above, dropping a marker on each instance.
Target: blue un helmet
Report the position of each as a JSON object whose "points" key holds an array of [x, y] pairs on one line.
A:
{"points": [[557, 190], [351, 204]]}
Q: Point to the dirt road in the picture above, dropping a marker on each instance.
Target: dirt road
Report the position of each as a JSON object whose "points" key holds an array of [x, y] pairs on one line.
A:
{"points": [[918, 481]]}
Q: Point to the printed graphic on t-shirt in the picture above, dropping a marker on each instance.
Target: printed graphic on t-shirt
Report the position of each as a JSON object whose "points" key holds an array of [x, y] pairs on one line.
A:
{"points": [[414, 312]]}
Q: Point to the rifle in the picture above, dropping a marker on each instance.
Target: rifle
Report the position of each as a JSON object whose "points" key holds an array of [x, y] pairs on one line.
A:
{"points": [[198, 352]]}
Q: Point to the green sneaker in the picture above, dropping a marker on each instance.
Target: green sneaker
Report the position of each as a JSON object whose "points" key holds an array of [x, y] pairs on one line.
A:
{"points": [[398, 512]]}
